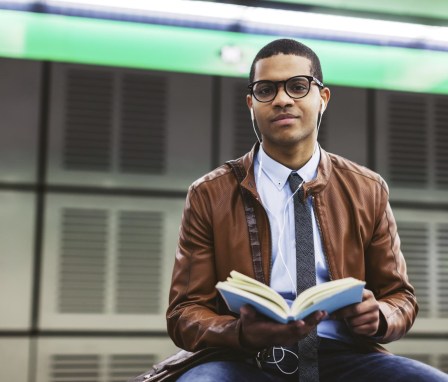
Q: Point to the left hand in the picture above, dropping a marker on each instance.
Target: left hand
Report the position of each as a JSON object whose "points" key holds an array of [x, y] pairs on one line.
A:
{"points": [[258, 331], [362, 318]]}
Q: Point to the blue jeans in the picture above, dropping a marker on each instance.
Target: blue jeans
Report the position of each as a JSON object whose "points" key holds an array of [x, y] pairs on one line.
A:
{"points": [[337, 362]]}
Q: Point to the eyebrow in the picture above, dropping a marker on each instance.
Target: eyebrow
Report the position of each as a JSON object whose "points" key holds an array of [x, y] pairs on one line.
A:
{"points": [[285, 79]]}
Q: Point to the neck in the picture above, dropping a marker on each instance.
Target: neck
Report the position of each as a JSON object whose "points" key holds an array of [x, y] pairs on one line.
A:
{"points": [[292, 157]]}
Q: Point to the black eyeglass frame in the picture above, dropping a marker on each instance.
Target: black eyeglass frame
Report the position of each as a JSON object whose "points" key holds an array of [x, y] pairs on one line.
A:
{"points": [[276, 83]]}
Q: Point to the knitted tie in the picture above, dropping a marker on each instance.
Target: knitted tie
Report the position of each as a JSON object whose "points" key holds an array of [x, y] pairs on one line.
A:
{"points": [[306, 277]]}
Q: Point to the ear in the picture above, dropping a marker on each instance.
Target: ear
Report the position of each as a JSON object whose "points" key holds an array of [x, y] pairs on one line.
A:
{"points": [[325, 98], [250, 106], [249, 101]]}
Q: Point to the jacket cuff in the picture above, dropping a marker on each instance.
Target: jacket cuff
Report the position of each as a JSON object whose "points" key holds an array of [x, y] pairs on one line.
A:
{"points": [[384, 330]]}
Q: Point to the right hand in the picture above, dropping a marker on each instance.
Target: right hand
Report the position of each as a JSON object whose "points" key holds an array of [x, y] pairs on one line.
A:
{"points": [[259, 332]]}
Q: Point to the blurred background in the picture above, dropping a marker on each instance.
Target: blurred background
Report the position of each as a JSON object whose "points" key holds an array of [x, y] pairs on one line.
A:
{"points": [[109, 109]]}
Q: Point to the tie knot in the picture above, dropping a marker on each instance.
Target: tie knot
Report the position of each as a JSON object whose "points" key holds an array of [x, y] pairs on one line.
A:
{"points": [[294, 181]]}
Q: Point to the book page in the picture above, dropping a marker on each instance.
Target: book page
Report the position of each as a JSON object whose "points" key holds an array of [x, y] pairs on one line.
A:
{"points": [[327, 291], [275, 298], [235, 298], [320, 291], [333, 302], [246, 283]]}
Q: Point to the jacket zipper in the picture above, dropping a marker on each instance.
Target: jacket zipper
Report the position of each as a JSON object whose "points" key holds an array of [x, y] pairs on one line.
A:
{"points": [[313, 202]]}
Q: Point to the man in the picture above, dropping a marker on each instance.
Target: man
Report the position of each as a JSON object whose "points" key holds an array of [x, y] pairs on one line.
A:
{"points": [[353, 235]]}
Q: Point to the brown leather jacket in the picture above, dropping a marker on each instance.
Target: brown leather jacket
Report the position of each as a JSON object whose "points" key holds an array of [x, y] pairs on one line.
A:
{"points": [[359, 237]]}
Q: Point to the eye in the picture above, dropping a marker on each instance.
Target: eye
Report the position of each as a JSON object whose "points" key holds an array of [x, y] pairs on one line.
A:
{"points": [[264, 89], [297, 85]]}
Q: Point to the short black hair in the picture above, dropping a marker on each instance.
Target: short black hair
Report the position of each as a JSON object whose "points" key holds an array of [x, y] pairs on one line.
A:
{"points": [[288, 46]]}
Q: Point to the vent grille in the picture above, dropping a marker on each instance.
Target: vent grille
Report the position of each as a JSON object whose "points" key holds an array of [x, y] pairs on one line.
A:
{"points": [[408, 128], [88, 120], [143, 124], [244, 136], [441, 142], [75, 368], [442, 269], [124, 366], [92, 367], [415, 244], [83, 261], [139, 262]]}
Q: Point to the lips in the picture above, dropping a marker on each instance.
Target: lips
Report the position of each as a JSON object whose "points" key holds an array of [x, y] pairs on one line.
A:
{"points": [[281, 117]]}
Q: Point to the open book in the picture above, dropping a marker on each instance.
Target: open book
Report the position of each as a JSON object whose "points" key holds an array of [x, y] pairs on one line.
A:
{"points": [[240, 289]]}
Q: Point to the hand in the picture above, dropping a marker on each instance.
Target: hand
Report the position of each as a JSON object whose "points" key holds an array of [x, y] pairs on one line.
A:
{"points": [[259, 332], [362, 318]]}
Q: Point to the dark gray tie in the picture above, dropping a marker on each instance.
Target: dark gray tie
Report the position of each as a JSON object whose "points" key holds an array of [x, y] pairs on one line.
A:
{"points": [[306, 277]]}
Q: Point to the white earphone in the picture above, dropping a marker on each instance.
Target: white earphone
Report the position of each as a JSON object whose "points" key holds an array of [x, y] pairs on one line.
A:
{"points": [[323, 106], [253, 124]]}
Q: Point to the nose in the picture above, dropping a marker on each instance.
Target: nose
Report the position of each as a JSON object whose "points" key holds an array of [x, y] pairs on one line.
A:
{"points": [[282, 99]]}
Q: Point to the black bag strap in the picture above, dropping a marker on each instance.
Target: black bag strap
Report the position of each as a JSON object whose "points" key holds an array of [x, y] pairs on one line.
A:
{"points": [[240, 174]]}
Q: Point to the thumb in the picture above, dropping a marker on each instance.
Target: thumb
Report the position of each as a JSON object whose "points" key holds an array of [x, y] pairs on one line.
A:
{"points": [[247, 312]]}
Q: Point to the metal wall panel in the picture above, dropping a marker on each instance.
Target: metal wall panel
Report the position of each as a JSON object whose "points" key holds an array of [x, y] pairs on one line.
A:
{"points": [[20, 87], [346, 124], [411, 145], [16, 258], [14, 355], [114, 127], [236, 133], [98, 359], [107, 262], [424, 238]]}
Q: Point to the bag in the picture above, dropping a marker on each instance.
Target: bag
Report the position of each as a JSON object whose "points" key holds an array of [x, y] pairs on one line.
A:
{"points": [[174, 366]]}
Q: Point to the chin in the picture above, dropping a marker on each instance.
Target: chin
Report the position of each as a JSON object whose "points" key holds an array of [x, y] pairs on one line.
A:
{"points": [[295, 138]]}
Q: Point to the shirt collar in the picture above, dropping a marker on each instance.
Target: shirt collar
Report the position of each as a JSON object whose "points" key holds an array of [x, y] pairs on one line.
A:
{"points": [[309, 171], [279, 174]]}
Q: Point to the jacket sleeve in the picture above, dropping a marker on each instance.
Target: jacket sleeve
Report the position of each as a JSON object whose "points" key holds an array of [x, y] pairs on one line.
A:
{"points": [[386, 275], [193, 320]]}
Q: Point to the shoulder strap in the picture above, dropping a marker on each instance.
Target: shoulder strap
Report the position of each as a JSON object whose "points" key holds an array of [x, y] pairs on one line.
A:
{"points": [[240, 174]]}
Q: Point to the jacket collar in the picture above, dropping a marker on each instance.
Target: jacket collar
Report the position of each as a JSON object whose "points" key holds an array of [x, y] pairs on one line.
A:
{"points": [[313, 187]]}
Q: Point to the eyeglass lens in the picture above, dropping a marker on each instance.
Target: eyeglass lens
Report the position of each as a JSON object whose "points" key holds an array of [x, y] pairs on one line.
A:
{"points": [[295, 87]]}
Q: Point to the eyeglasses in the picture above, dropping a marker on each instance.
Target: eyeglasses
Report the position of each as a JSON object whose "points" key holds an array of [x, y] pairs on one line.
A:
{"points": [[296, 87]]}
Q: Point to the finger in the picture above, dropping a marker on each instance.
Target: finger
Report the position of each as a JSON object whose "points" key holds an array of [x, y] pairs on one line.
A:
{"points": [[315, 318], [248, 313], [301, 328], [368, 303], [366, 330], [365, 307], [343, 313], [367, 294], [363, 320], [296, 331]]}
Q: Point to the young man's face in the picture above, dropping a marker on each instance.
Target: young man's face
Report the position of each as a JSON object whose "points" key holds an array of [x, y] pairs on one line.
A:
{"points": [[286, 122]]}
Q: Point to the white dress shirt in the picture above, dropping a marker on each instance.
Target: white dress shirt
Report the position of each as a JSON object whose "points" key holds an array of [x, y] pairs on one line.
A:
{"points": [[273, 187]]}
